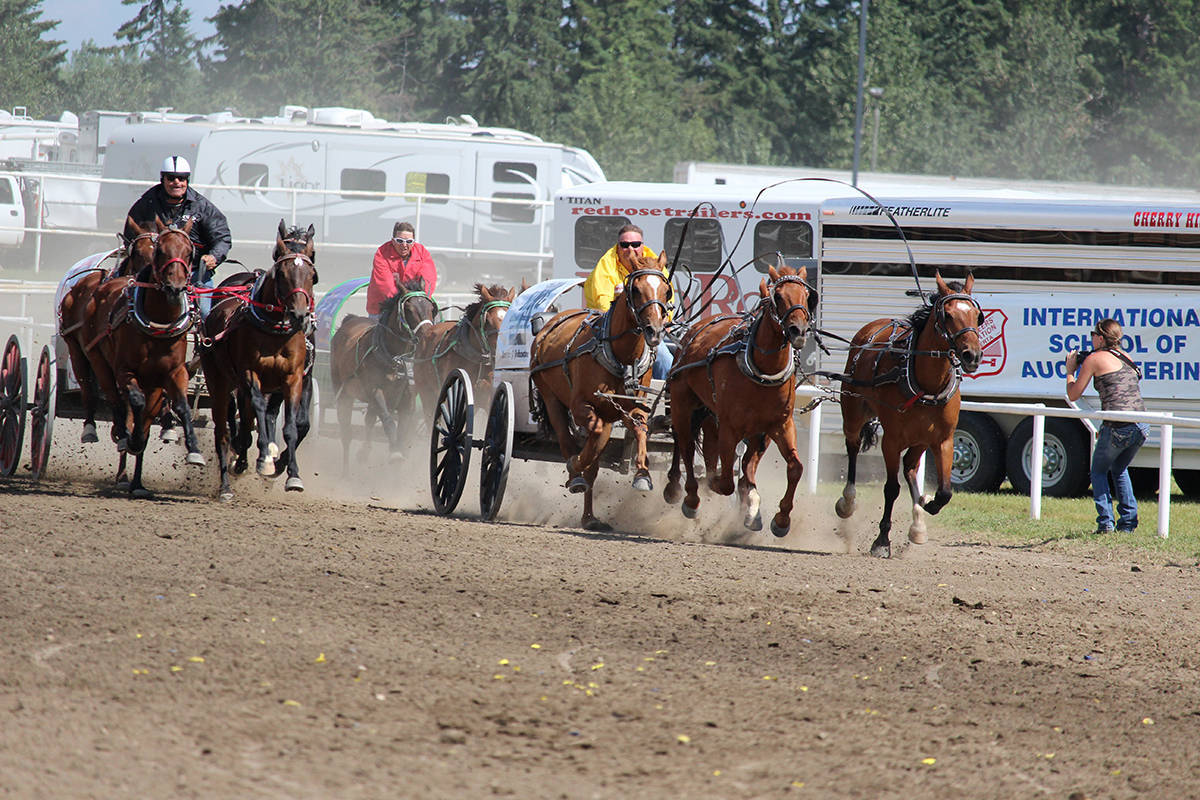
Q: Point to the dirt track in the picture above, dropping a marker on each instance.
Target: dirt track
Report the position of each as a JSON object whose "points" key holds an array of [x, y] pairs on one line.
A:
{"points": [[333, 645]]}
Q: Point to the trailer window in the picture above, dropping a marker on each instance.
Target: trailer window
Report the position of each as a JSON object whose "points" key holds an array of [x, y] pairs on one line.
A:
{"points": [[427, 183], [593, 237], [255, 175], [363, 180], [513, 212], [791, 239], [702, 246], [514, 172]]}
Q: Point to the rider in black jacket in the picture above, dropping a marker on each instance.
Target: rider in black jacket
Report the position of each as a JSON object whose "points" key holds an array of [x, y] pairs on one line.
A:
{"points": [[173, 201]]}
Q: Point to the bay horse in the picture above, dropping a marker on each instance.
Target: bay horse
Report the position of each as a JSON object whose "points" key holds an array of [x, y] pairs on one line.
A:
{"points": [[468, 344], [256, 354], [906, 373], [747, 387], [580, 356], [78, 304], [372, 361], [136, 343]]}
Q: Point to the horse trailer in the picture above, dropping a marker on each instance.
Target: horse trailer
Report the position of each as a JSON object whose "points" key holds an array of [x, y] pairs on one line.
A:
{"points": [[1048, 263], [478, 196]]}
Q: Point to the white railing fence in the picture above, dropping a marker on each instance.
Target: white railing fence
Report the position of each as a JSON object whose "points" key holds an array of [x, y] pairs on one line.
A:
{"points": [[1166, 421]]}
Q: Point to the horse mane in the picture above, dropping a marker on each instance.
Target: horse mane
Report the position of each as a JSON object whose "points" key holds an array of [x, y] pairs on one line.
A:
{"points": [[919, 317], [473, 308]]}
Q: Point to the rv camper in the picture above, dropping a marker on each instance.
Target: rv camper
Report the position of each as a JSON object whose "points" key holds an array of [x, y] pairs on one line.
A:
{"points": [[479, 197], [1048, 265]]}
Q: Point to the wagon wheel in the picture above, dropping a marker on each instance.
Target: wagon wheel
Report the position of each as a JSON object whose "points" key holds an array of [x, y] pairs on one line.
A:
{"points": [[14, 391], [496, 455], [41, 413], [450, 441]]}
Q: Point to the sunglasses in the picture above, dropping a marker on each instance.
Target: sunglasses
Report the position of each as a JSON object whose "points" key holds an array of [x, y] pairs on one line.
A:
{"points": [[398, 240], [174, 176], [1097, 333], [629, 244]]}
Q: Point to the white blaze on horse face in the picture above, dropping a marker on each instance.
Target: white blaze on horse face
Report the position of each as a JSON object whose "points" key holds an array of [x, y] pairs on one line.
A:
{"points": [[297, 261]]}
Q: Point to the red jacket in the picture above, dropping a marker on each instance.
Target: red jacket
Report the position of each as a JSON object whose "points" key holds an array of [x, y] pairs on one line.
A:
{"points": [[387, 266]]}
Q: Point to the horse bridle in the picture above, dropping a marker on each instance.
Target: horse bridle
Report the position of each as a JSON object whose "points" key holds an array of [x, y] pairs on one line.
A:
{"points": [[809, 307], [282, 301], [159, 269], [637, 310], [409, 331], [939, 316]]}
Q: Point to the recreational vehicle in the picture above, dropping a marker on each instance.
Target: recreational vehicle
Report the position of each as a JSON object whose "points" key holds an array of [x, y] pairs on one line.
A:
{"points": [[1047, 267], [478, 196]]}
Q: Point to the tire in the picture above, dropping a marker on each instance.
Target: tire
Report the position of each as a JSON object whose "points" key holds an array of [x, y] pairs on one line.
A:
{"points": [[979, 450], [1066, 469], [1189, 482]]}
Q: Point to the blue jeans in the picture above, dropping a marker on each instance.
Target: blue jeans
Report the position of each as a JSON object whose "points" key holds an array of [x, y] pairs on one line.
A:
{"points": [[1115, 448], [204, 278], [663, 359]]}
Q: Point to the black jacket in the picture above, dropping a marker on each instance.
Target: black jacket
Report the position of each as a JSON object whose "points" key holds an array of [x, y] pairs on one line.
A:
{"points": [[210, 229]]}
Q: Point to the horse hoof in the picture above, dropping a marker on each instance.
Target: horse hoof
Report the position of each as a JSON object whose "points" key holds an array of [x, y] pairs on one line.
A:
{"points": [[265, 467], [689, 511], [294, 485], [844, 507], [577, 485], [141, 493], [239, 466], [196, 459], [225, 497], [169, 435], [918, 535], [755, 523], [123, 444], [673, 493], [122, 485], [273, 451], [89, 434], [882, 551], [596, 526], [642, 483], [780, 530]]}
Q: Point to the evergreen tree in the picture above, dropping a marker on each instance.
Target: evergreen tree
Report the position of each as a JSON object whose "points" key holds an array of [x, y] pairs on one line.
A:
{"points": [[159, 35], [105, 77], [29, 62]]}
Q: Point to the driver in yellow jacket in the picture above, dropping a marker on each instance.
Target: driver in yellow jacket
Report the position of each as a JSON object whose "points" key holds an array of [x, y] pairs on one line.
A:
{"points": [[611, 271]]}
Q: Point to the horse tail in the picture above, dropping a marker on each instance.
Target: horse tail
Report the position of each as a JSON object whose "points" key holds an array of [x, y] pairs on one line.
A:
{"points": [[868, 437]]}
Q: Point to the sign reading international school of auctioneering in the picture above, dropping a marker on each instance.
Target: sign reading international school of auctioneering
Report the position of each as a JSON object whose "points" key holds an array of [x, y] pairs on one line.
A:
{"points": [[1026, 336]]}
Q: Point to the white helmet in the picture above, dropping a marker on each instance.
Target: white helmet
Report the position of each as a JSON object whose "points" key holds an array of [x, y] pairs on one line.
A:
{"points": [[175, 165]]}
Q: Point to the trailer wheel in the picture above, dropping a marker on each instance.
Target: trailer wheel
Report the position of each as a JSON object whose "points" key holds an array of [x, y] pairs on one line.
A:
{"points": [[496, 455], [978, 464], [14, 392], [1066, 468], [1189, 482], [450, 442]]}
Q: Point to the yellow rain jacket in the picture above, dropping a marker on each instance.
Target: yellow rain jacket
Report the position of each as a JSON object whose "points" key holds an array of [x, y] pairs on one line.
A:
{"points": [[601, 286]]}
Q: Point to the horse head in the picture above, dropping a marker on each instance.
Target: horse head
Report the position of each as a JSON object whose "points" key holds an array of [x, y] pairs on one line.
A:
{"points": [[139, 250], [648, 294], [296, 240], [409, 310], [957, 315], [790, 302], [171, 263], [488, 312]]}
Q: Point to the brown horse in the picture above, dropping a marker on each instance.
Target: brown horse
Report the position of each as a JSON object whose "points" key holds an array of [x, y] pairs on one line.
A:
{"points": [[749, 385], [78, 304], [136, 344], [906, 374], [258, 353], [468, 344], [580, 356], [372, 361]]}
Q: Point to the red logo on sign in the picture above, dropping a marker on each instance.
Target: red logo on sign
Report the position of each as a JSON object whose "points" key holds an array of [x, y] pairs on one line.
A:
{"points": [[991, 341]]}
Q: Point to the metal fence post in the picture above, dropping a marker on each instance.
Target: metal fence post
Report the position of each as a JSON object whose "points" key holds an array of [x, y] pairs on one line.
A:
{"points": [[1036, 456], [1164, 477], [814, 447]]}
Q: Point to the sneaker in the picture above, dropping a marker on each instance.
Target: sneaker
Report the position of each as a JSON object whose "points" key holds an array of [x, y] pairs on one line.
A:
{"points": [[1101, 530]]}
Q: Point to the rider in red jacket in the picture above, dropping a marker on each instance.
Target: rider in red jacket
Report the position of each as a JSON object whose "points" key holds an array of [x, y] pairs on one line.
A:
{"points": [[398, 261]]}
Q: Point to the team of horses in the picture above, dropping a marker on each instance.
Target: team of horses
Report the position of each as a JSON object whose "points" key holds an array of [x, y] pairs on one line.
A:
{"points": [[731, 388]]}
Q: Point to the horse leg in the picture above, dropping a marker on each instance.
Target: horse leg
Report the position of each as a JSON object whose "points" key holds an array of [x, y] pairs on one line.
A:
{"points": [[239, 431], [881, 547], [378, 403], [853, 418], [183, 412], [641, 476], [747, 489], [274, 403], [137, 409], [682, 404], [912, 460], [84, 376], [292, 412], [265, 465], [720, 480], [556, 412], [221, 433], [785, 440]]}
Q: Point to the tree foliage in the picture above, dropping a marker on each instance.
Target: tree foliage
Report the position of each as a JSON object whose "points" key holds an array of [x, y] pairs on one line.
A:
{"points": [[1077, 90]]}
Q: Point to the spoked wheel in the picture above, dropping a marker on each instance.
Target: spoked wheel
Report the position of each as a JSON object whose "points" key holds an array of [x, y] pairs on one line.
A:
{"points": [[14, 391], [41, 414], [497, 451], [450, 441]]}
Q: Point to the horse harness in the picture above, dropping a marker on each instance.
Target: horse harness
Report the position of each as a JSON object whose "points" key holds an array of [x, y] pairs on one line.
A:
{"points": [[902, 339], [395, 365], [462, 336]]}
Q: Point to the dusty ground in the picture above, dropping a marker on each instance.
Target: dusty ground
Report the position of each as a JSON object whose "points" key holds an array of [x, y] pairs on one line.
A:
{"points": [[347, 643]]}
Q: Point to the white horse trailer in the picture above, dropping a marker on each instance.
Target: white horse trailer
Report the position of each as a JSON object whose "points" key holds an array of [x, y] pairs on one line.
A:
{"points": [[1047, 266], [479, 197]]}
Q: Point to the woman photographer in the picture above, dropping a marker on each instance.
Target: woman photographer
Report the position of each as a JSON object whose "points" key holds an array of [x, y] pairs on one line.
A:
{"points": [[1116, 378]]}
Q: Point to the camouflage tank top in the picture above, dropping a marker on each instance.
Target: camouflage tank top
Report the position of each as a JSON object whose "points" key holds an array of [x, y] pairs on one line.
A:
{"points": [[1119, 390]]}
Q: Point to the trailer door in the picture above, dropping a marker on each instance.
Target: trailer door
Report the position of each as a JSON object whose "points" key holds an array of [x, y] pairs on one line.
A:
{"points": [[511, 233]]}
